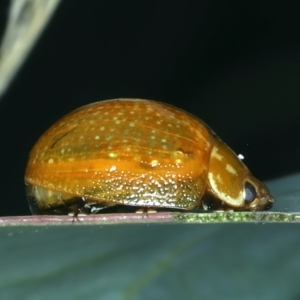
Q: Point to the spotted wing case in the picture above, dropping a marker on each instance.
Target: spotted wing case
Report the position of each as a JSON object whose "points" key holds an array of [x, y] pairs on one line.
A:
{"points": [[137, 152], [131, 152]]}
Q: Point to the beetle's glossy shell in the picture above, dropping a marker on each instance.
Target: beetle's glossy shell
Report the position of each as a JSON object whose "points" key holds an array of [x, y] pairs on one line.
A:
{"points": [[124, 151]]}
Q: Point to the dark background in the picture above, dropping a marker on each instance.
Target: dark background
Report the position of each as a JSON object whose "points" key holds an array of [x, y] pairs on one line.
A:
{"points": [[235, 65]]}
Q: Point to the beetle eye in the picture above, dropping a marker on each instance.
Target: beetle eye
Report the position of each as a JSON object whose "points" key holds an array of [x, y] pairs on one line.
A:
{"points": [[249, 192]]}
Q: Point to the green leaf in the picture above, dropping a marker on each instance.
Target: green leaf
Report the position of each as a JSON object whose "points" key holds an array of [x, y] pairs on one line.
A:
{"points": [[155, 260]]}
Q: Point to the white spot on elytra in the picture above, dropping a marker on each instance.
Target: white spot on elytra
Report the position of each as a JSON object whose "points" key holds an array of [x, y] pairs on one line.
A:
{"points": [[112, 169], [97, 137], [154, 163], [50, 161]]}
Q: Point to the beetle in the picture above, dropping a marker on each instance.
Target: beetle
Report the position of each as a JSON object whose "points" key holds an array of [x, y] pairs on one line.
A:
{"points": [[138, 153]]}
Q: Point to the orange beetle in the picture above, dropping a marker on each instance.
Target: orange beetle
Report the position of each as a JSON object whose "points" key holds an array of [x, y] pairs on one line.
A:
{"points": [[137, 152]]}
